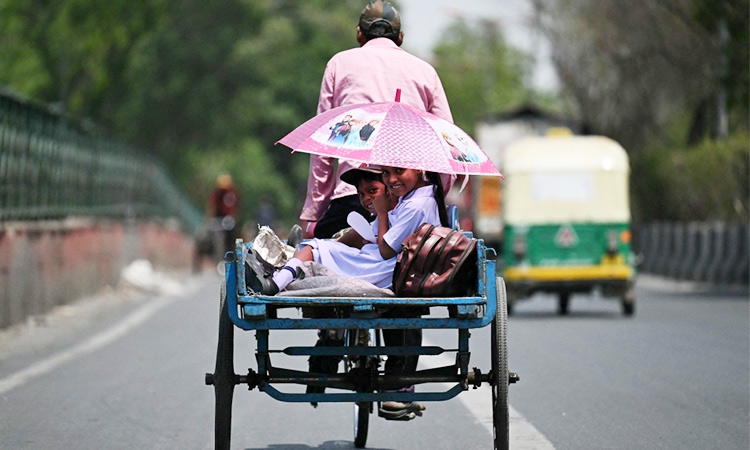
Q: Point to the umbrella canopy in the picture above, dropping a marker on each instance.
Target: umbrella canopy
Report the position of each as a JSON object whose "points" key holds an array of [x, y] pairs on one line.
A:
{"points": [[391, 134]]}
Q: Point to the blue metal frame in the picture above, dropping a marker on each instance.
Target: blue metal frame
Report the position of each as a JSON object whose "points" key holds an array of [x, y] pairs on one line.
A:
{"points": [[249, 311]]}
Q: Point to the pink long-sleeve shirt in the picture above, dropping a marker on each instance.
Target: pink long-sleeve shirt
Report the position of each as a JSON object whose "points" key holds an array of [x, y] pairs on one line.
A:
{"points": [[371, 73]]}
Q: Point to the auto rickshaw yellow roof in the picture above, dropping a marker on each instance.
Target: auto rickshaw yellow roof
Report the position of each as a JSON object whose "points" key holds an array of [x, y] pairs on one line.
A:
{"points": [[587, 153]]}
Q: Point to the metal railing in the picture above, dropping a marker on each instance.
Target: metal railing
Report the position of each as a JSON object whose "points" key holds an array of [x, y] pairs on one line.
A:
{"points": [[53, 168]]}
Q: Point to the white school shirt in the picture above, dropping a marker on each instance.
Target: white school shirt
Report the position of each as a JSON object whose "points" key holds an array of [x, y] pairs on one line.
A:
{"points": [[413, 209]]}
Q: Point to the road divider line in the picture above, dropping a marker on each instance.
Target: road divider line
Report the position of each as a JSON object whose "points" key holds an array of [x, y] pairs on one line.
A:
{"points": [[91, 345], [523, 435]]}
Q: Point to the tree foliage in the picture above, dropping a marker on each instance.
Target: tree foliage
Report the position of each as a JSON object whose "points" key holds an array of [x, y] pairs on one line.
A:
{"points": [[706, 182], [188, 81], [661, 76], [480, 73], [631, 66], [209, 87]]}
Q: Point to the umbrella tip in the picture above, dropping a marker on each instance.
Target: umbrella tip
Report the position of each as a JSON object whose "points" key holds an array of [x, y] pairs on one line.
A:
{"points": [[398, 95]]}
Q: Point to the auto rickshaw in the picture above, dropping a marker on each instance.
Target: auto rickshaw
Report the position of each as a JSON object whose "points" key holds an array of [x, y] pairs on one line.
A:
{"points": [[567, 220]]}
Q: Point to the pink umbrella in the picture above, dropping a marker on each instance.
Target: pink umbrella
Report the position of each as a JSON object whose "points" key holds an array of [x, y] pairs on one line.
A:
{"points": [[391, 134]]}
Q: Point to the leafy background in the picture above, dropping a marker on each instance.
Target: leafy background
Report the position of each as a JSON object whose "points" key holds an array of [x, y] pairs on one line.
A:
{"points": [[209, 87]]}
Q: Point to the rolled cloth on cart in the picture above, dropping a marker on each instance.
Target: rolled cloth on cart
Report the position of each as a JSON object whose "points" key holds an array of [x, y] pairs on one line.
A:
{"points": [[320, 281]]}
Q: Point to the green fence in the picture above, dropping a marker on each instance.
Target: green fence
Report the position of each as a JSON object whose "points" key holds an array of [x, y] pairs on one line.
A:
{"points": [[52, 168]]}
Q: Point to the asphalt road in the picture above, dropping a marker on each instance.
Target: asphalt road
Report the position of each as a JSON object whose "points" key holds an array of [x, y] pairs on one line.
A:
{"points": [[674, 376], [125, 370]]}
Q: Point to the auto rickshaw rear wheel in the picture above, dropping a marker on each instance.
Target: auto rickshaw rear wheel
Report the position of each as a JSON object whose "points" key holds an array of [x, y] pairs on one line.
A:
{"points": [[563, 303], [628, 300]]}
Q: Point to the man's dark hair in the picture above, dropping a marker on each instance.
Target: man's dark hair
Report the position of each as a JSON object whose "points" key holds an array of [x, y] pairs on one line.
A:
{"points": [[381, 29]]}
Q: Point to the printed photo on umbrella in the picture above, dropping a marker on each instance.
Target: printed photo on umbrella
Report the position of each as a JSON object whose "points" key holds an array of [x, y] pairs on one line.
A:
{"points": [[353, 130], [391, 134]]}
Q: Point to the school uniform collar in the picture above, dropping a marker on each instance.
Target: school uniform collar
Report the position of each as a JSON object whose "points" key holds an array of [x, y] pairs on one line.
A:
{"points": [[424, 191]]}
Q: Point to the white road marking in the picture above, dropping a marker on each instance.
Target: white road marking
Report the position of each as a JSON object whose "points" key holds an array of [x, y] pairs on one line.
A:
{"points": [[96, 342], [523, 435]]}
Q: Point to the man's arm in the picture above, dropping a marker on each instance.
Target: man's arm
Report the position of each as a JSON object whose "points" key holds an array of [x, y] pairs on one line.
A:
{"points": [[440, 106], [442, 109], [320, 184]]}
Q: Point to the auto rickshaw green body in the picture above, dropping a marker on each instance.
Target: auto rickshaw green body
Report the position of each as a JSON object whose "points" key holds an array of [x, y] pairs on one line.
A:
{"points": [[566, 215]]}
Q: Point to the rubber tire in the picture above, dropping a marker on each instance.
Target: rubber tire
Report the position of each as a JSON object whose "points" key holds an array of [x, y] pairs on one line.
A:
{"points": [[224, 377], [564, 302], [500, 377], [362, 409], [628, 301], [361, 423]]}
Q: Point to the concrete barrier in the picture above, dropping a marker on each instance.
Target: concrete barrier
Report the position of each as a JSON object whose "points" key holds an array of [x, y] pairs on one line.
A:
{"points": [[712, 252], [665, 248], [648, 256], [46, 264], [679, 244], [705, 253], [690, 256], [718, 251], [742, 272], [731, 263]]}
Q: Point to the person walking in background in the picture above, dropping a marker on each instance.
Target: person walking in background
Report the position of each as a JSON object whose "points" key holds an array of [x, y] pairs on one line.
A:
{"points": [[223, 208], [370, 73]]}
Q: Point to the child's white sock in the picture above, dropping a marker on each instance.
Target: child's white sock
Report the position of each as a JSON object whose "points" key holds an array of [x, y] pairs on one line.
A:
{"points": [[283, 277]]}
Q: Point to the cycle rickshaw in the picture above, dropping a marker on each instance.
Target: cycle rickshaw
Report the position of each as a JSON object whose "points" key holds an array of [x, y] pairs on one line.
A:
{"points": [[443, 148], [363, 381]]}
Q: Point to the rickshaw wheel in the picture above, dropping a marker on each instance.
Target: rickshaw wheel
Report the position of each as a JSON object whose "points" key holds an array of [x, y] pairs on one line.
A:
{"points": [[628, 301], [362, 410], [361, 423], [564, 301], [500, 378], [224, 377]]}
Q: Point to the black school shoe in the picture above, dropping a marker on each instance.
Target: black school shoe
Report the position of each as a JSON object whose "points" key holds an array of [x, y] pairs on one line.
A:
{"points": [[259, 275]]}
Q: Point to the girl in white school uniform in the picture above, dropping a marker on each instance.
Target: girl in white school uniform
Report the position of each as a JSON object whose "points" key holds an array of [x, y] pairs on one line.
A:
{"points": [[421, 200]]}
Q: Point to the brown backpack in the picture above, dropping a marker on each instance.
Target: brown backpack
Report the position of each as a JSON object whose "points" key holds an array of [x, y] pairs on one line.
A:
{"points": [[436, 262]]}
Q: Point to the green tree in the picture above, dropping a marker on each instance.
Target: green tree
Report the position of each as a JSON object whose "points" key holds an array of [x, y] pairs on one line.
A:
{"points": [[660, 77], [728, 21], [633, 69], [74, 53], [188, 81], [480, 73]]}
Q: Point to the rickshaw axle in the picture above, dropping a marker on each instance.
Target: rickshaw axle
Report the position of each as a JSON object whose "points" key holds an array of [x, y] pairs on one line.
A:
{"points": [[251, 379], [476, 378]]}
